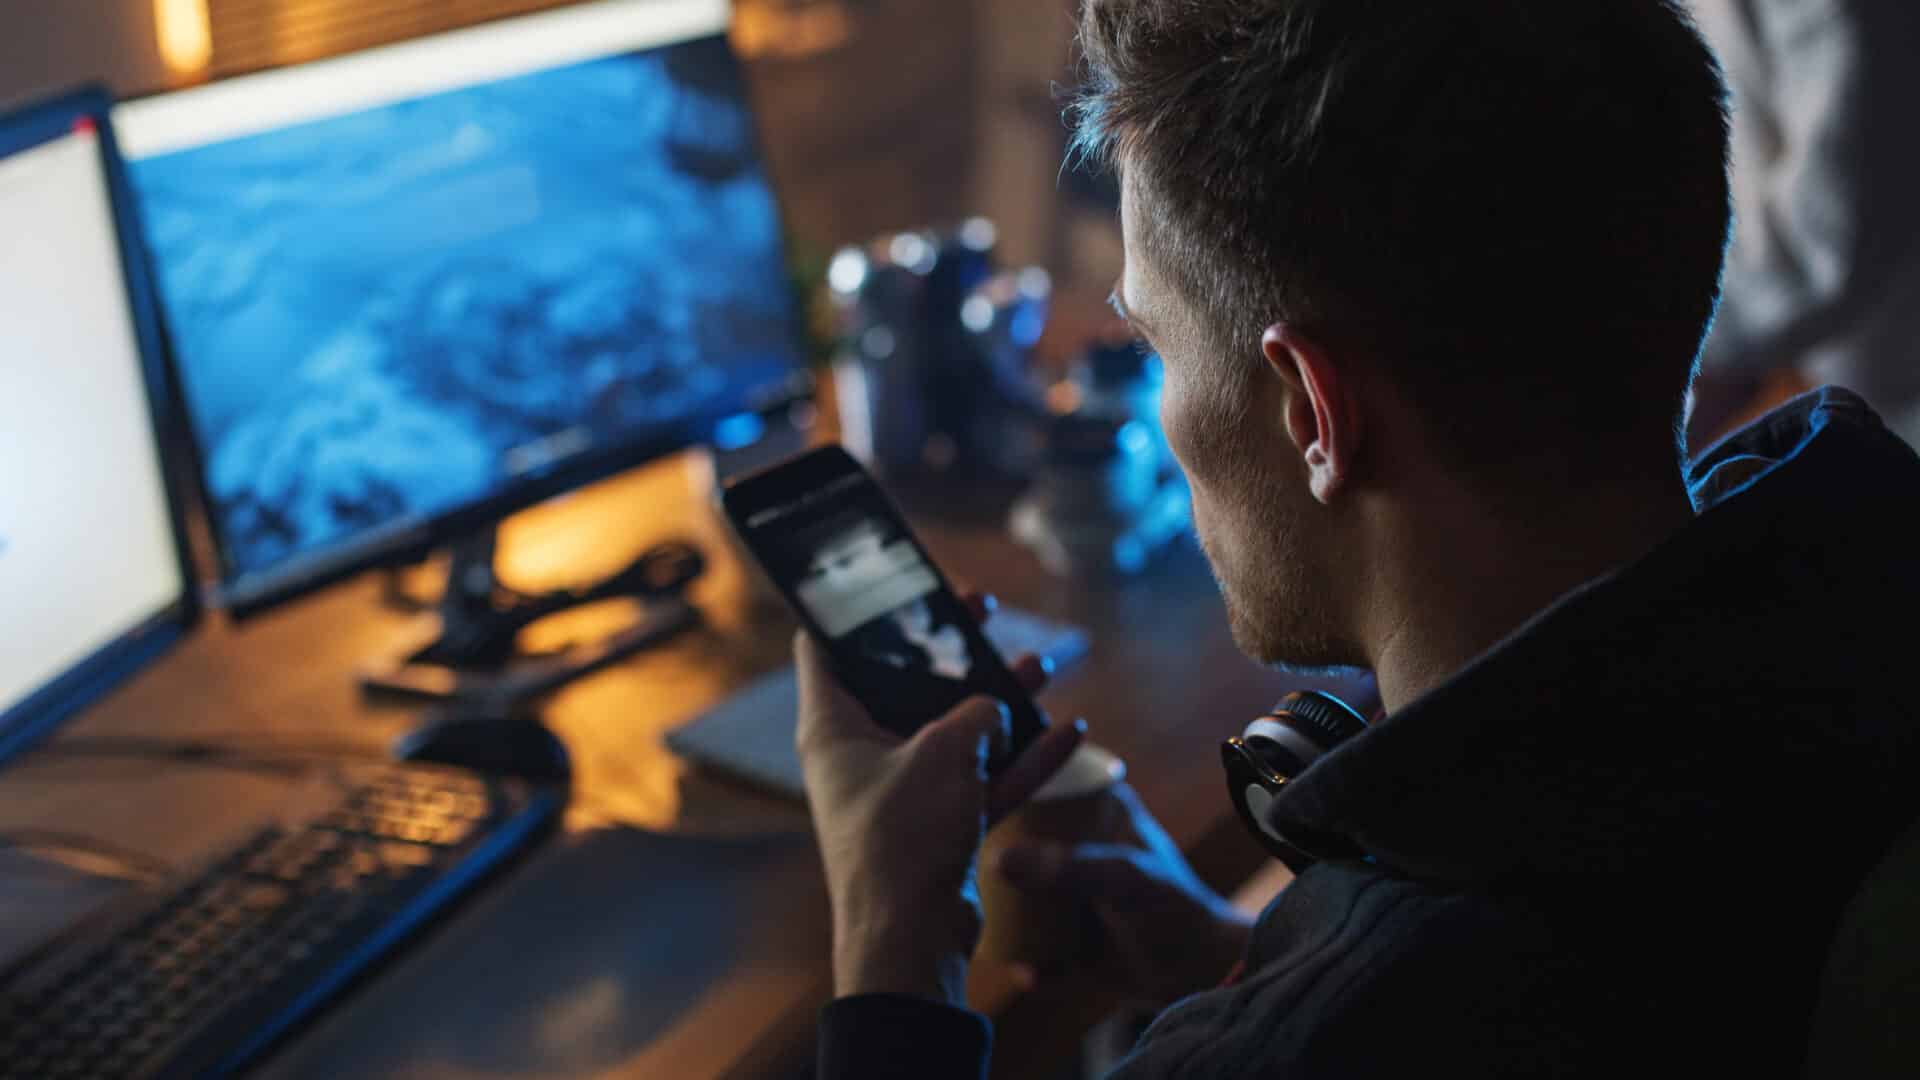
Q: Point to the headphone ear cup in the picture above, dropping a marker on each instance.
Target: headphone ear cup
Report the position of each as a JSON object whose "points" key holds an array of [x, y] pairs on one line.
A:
{"points": [[1252, 786], [1279, 746], [1325, 719]]}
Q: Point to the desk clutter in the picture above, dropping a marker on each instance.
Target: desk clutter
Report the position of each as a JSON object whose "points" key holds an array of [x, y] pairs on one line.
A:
{"points": [[938, 380]]}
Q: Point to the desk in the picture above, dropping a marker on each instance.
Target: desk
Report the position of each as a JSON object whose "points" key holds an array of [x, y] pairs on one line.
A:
{"points": [[678, 925]]}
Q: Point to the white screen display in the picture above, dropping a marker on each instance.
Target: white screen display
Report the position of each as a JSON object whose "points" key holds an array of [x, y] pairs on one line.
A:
{"points": [[86, 545]]}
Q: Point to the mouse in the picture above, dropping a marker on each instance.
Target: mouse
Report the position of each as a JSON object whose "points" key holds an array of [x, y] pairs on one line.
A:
{"points": [[518, 747]]}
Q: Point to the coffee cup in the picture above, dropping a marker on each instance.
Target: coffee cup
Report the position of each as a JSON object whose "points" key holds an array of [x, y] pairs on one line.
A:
{"points": [[1050, 935]]}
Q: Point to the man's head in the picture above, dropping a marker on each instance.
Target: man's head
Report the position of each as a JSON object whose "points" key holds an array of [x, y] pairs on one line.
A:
{"points": [[1484, 233]]}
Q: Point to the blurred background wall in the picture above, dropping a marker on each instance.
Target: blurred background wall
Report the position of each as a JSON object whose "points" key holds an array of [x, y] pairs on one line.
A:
{"points": [[47, 44]]}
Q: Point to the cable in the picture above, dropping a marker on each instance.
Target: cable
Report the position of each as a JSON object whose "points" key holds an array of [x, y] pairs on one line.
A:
{"points": [[89, 854], [242, 750], [83, 854], [666, 568], [481, 631]]}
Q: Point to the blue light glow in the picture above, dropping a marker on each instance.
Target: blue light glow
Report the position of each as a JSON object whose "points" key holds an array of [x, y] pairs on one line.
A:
{"points": [[740, 430]]}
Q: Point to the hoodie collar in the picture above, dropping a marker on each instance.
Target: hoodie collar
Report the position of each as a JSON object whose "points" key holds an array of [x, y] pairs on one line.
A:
{"points": [[1598, 736]]}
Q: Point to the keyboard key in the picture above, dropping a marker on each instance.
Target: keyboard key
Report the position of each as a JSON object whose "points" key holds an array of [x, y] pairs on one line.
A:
{"points": [[263, 897], [405, 857], [454, 831]]}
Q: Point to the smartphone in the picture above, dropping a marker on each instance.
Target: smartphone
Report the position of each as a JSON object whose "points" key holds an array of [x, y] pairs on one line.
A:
{"points": [[895, 633]]}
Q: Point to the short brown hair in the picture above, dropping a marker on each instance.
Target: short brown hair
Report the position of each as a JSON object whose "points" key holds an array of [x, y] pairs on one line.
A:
{"points": [[1521, 203]]}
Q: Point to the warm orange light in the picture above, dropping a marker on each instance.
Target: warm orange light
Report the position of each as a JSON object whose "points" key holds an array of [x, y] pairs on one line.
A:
{"points": [[184, 34], [765, 30]]}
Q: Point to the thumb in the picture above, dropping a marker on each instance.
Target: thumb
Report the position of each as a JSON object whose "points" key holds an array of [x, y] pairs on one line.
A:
{"points": [[826, 709], [969, 731], [1107, 872]]}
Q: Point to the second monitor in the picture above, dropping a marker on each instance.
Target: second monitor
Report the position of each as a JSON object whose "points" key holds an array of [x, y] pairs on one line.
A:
{"points": [[414, 289]]}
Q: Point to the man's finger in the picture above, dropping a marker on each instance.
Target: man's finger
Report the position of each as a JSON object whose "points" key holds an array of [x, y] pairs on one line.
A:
{"points": [[1033, 671], [1146, 829], [1107, 872], [967, 731], [1033, 768], [826, 709], [981, 605]]}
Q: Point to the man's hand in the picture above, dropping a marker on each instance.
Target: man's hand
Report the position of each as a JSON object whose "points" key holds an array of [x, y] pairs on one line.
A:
{"points": [[1166, 934], [900, 823]]}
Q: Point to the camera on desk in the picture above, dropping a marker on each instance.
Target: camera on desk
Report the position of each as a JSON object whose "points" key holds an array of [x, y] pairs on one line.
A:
{"points": [[937, 379], [922, 388], [1107, 495]]}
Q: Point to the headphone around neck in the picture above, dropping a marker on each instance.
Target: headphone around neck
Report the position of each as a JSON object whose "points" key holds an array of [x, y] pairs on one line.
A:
{"points": [[1275, 749]]}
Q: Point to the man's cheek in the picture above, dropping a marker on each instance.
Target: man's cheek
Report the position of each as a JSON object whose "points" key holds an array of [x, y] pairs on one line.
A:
{"points": [[1199, 432], [1175, 422]]}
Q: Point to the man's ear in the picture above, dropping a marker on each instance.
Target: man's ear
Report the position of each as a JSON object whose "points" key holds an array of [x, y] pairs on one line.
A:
{"points": [[1322, 418]]}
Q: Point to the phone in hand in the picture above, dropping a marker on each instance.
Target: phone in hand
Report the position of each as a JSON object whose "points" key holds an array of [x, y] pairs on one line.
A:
{"points": [[895, 633]]}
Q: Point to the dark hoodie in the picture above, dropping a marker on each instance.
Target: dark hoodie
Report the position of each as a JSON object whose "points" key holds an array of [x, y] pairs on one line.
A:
{"points": [[1617, 844]]}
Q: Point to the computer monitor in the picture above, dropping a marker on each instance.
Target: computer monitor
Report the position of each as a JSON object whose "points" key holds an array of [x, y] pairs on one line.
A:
{"points": [[94, 575], [414, 289]]}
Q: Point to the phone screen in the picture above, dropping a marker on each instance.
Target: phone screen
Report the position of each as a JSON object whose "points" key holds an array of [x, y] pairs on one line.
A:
{"points": [[903, 643]]}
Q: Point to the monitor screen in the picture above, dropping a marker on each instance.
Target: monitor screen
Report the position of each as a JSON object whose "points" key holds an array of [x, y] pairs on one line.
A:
{"points": [[429, 282], [88, 553]]}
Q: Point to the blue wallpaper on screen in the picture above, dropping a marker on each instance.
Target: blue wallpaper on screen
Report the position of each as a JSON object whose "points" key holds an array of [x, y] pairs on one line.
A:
{"points": [[376, 314]]}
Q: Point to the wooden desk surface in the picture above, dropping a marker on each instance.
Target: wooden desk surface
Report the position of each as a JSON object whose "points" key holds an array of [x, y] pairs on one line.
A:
{"points": [[678, 926]]}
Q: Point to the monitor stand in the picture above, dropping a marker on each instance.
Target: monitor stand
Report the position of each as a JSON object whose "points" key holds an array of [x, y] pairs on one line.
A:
{"points": [[467, 652]]}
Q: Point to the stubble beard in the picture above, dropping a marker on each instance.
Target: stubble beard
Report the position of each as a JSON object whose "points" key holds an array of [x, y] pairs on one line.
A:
{"points": [[1274, 611], [1254, 532]]}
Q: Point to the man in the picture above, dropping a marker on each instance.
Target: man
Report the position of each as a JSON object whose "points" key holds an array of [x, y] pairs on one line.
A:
{"points": [[1429, 281], [1823, 278]]}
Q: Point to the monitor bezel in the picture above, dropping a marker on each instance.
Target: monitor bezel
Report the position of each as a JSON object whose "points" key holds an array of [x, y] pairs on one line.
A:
{"points": [[409, 541], [40, 712]]}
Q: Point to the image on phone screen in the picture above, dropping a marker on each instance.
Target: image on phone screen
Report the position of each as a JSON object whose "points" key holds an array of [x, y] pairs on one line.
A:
{"points": [[904, 644], [869, 589]]}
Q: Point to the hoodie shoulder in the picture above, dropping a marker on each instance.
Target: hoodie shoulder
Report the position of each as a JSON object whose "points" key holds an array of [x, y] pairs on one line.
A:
{"points": [[1357, 972], [1832, 414]]}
